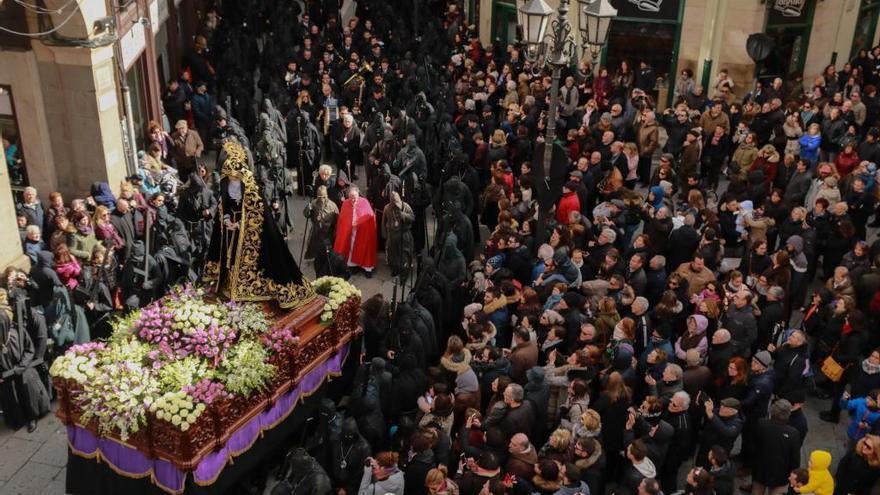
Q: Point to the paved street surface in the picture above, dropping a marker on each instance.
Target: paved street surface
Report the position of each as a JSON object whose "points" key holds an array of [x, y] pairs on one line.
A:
{"points": [[34, 464]]}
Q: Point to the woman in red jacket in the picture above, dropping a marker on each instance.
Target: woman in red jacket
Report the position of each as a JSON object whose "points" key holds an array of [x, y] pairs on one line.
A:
{"points": [[847, 160], [568, 203]]}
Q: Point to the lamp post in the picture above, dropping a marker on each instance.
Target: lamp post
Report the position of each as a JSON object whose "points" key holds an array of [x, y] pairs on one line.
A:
{"points": [[555, 50]]}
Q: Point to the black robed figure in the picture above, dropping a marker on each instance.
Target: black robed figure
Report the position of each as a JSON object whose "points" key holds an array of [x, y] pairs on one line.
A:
{"points": [[248, 259]]}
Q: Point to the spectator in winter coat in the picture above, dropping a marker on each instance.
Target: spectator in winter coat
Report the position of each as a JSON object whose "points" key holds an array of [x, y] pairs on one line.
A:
{"points": [[865, 412], [810, 143], [523, 355], [637, 467], [696, 273], [790, 364], [777, 450], [695, 338], [740, 321], [723, 426], [568, 203], [31, 208]]}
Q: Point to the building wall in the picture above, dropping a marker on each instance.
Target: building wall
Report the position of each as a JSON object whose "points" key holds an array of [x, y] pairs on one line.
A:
{"points": [[82, 111], [834, 24], [21, 72], [742, 19]]}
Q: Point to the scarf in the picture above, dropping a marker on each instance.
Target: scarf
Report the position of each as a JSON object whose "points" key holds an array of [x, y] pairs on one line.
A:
{"points": [[871, 369], [87, 230]]}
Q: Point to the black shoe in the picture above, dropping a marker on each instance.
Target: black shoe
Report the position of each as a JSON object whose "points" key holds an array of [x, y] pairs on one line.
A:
{"points": [[32, 426], [829, 417], [368, 273]]}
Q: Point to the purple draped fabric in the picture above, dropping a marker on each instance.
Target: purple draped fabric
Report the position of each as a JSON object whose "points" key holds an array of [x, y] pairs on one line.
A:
{"points": [[130, 462]]}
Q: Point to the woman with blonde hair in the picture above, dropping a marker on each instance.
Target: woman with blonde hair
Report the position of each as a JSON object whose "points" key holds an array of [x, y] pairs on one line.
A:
{"points": [[558, 446], [128, 192], [438, 483], [104, 229], [590, 426]]}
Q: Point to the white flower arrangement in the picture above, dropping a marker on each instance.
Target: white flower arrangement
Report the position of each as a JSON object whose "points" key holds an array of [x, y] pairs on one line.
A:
{"points": [[178, 408], [337, 291], [75, 367], [116, 396]]}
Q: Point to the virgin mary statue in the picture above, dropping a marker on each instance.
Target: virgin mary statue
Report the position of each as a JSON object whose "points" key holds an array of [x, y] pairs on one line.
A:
{"points": [[248, 258]]}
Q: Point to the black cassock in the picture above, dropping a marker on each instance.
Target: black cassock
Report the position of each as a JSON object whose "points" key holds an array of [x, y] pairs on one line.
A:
{"points": [[22, 394]]}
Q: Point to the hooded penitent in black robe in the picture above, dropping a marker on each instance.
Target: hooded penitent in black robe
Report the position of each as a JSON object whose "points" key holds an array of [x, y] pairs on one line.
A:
{"points": [[322, 213], [197, 205], [22, 394]]}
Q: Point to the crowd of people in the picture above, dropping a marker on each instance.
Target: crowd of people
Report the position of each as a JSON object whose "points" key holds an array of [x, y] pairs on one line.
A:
{"points": [[652, 321]]}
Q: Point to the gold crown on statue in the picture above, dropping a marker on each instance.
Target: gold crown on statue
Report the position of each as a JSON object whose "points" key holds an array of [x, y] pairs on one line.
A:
{"points": [[235, 164]]}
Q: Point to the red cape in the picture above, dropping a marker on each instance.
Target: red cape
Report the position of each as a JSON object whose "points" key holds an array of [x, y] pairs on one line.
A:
{"points": [[363, 253]]}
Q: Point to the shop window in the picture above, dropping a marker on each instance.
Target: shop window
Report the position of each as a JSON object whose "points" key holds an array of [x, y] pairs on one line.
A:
{"points": [[641, 41], [12, 146], [789, 24], [137, 80], [866, 25], [504, 22]]}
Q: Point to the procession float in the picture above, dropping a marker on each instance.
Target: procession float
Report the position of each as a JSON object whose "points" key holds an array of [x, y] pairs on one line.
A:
{"points": [[196, 387]]}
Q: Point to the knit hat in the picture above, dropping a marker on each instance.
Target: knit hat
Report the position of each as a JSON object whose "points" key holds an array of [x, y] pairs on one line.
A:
{"points": [[495, 261], [669, 157], [571, 185], [606, 115], [732, 403], [764, 358], [181, 124]]}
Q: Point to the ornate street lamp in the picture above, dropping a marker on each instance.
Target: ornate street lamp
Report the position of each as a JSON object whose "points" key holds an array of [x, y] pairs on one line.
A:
{"points": [[534, 17], [595, 20], [555, 50]]}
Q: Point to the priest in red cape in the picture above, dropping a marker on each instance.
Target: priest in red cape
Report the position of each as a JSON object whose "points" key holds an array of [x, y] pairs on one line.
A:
{"points": [[356, 232]]}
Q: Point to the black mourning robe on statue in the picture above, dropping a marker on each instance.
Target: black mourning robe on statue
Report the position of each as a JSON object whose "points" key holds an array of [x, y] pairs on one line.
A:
{"points": [[275, 259]]}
